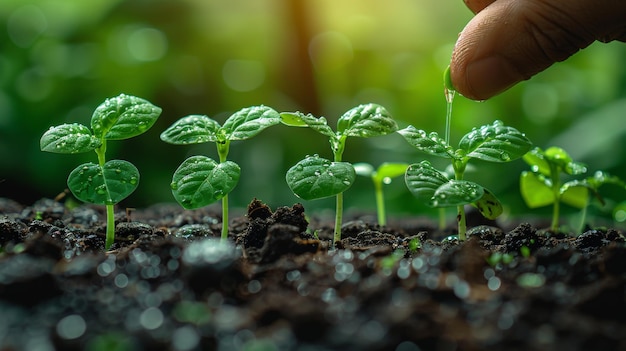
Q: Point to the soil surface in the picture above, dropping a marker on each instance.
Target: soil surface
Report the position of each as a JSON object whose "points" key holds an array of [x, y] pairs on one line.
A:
{"points": [[169, 284]]}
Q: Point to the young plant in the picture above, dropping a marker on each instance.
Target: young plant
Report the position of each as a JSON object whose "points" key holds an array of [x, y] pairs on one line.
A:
{"points": [[200, 180], [493, 143], [380, 176], [107, 182], [316, 177], [542, 186]]}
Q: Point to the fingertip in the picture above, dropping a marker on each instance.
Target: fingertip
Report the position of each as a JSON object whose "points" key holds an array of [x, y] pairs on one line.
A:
{"points": [[477, 5]]}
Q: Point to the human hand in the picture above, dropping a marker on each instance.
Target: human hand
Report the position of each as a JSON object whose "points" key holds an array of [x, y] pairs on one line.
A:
{"points": [[511, 40]]}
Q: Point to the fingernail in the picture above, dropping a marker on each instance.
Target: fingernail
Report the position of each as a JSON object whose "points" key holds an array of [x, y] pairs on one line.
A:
{"points": [[490, 76]]}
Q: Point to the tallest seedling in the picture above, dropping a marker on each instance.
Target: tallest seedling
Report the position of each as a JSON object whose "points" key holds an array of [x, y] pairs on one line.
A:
{"points": [[105, 183]]}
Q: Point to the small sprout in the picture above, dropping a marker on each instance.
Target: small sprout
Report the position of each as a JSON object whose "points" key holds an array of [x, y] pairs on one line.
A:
{"points": [[316, 177], [524, 251], [104, 183], [414, 245], [497, 258], [542, 185], [200, 180], [493, 143], [383, 175]]}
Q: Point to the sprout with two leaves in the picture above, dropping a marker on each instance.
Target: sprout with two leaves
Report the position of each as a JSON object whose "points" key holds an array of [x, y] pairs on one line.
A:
{"points": [[380, 176], [107, 182], [542, 185], [200, 180], [493, 143], [316, 177]]}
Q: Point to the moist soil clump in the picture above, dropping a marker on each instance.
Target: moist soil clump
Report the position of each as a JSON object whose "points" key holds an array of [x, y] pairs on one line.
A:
{"points": [[168, 283]]}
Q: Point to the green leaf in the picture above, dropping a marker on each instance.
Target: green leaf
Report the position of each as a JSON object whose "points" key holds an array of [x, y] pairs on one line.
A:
{"points": [[600, 178], [535, 159], [456, 193], [249, 122], [423, 180], [387, 171], [576, 193], [200, 181], [68, 139], [366, 121], [316, 178], [563, 161], [489, 205], [495, 143], [105, 185], [123, 117], [536, 190], [431, 143], [193, 129], [299, 119]]}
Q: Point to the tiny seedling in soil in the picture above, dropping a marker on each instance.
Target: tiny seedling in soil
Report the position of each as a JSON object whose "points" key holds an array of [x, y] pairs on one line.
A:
{"points": [[380, 176], [494, 143], [542, 186], [107, 182], [315, 177], [200, 180]]}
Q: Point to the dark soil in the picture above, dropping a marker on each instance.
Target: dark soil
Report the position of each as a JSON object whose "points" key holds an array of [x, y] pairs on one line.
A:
{"points": [[168, 284]]}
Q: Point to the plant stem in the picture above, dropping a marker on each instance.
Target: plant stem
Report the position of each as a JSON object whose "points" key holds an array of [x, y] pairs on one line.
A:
{"points": [[110, 207], [338, 218], [110, 231], [556, 191], [459, 169], [380, 203], [583, 217], [442, 218], [338, 146], [222, 151]]}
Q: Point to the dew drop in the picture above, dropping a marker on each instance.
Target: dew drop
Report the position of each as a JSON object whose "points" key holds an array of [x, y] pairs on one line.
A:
{"points": [[174, 185], [346, 182], [387, 180], [133, 180]]}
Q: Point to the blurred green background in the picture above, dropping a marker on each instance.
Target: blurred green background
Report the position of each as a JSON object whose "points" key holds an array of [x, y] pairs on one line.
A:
{"points": [[60, 59]]}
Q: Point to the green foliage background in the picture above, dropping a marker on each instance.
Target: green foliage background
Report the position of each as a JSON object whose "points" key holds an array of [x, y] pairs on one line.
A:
{"points": [[60, 59]]}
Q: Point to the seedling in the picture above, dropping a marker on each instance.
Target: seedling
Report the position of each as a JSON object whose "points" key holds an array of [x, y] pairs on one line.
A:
{"points": [[315, 177], [107, 182], [542, 186], [494, 143], [200, 180], [380, 176]]}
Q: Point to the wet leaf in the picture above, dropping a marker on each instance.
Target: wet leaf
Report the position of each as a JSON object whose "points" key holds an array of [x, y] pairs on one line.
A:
{"points": [[489, 205], [68, 139], [430, 143], [200, 181], [366, 121], [536, 190], [316, 178], [576, 193], [123, 117], [250, 121], [495, 143], [193, 129], [104, 185], [299, 119], [423, 180], [456, 193]]}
